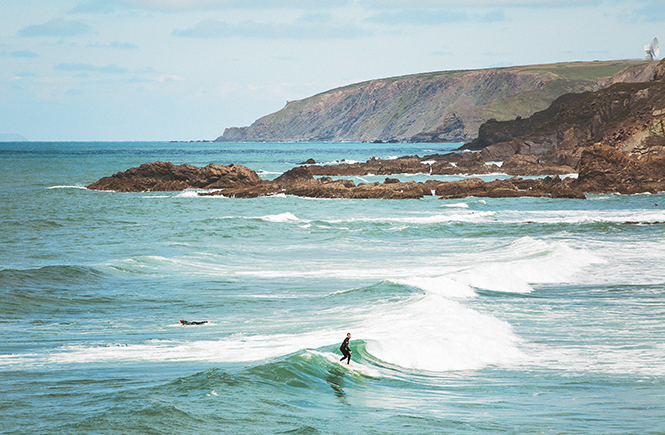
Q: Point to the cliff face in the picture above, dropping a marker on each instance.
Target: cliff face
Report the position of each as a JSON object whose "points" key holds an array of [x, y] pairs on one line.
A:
{"points": [[435, 107], [628, 117]]}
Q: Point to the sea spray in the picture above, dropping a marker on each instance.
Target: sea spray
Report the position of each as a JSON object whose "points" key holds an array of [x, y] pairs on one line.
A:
{"points": [[433, 333]]}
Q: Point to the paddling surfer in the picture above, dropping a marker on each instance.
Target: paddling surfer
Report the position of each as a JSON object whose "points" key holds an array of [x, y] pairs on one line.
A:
{"points": [[186, 322], [345, 349]]}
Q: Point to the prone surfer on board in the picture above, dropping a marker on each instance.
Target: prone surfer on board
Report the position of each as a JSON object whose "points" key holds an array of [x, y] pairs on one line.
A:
{"points": [[345, 349], [186, 322]]}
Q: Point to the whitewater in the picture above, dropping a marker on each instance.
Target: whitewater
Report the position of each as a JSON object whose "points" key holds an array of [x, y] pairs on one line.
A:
{"points": [[471, 316]]}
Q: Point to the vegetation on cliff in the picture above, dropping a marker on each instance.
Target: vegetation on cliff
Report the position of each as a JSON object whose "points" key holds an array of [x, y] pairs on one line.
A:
{"points": [[434, 107]]}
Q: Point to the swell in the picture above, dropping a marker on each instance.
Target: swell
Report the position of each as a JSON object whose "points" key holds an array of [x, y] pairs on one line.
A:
{"points": [[49, 275], [49, 289]]}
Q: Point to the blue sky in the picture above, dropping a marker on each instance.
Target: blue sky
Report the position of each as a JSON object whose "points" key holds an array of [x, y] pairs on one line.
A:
{"points": [[186, 69]]}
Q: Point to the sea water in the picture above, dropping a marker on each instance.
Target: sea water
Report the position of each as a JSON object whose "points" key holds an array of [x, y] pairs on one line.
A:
{"points": [[469, 316]]}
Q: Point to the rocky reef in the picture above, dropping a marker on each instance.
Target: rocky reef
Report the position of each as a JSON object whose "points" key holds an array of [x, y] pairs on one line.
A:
{"points": [[165, 176], [240, 182], [603, 169]]}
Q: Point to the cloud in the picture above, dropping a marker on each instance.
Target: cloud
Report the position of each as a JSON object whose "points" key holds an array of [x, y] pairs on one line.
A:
{"points": [[431, 17], [651, 12], [419, 4], [18, 53], [86, 67], [211, 28], [318, 17], [56, 27], [108, 6], [494, 16], [435, 17], [115, 44], [95, 7], [162, 79]]}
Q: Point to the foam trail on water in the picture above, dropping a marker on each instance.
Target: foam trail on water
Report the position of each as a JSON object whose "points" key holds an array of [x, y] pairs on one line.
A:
{"points": [[238, 348], [424, 220]]}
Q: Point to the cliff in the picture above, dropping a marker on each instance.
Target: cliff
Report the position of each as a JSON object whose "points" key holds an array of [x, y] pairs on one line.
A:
{"points": [[434, 107], [629, 117]]}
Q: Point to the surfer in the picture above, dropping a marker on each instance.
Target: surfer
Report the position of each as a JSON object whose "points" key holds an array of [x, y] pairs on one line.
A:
{"points": [[185, 322], [345, 349]]}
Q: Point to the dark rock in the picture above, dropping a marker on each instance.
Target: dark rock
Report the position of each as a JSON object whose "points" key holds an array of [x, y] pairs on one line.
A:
{"points": [[293, 176], [402, 165], [603, 169], [511, 188], [165, 176], [520, 164], [659, 73]]}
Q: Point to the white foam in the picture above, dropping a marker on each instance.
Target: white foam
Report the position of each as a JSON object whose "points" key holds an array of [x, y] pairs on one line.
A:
{"points": [[68, 187], [282, 217], [434, 333], [439, 285], [339, 162], [527, 261], [188, 194], [585, 216], [456, 205], [238, 348], [425, 219]]}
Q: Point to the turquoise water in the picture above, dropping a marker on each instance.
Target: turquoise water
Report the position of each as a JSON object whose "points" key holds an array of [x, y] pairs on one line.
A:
{"points": [[515, 315]]}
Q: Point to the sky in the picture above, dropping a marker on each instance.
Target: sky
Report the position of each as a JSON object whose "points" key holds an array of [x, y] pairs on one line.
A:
{"points": [[136, 70]]}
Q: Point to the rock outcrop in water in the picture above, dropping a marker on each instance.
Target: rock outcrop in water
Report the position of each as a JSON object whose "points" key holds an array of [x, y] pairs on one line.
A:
{"points": [[240, 182], [165, 176], [606, 170], [435, 107]]}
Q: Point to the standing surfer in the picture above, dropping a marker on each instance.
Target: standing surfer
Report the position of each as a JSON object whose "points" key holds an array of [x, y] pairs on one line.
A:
{"points": [[345, 349]]}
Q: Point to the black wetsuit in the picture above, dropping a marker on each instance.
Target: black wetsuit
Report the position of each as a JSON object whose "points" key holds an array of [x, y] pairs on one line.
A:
{"points": [[345, 350], [185, 322]]}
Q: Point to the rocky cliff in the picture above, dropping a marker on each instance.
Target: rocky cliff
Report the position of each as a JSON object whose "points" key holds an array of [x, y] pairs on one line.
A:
{"points": [[435, 107], [628, 117]]}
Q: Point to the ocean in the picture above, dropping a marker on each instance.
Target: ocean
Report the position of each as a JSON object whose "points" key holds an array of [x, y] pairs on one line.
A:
{"points": [[471, 316]]}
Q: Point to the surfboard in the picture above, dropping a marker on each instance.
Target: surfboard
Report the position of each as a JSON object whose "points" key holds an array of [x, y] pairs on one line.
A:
{"points": [[354, 366]]}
